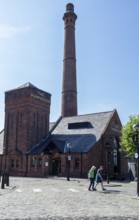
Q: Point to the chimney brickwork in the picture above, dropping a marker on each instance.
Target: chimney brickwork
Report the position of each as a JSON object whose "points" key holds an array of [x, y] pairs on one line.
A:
{"points": [[69, 85]]}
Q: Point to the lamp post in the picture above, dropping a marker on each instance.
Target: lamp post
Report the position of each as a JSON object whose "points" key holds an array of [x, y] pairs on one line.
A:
{"points": [[135, 139], [69, 158], [108, 150]]}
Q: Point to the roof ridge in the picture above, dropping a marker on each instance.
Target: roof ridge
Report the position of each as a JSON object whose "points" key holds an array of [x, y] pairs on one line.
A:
{"points": [[25, 85], [92, 113], [55, 124], [1, 130], [28, 84]]}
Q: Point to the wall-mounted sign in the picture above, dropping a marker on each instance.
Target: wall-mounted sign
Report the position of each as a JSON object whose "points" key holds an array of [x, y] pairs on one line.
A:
{"points": [[46, 164], [40, 98], [69, 157]]}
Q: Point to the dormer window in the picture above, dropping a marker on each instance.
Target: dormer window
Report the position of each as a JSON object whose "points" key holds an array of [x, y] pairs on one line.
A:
{"points": [[80, 125]]}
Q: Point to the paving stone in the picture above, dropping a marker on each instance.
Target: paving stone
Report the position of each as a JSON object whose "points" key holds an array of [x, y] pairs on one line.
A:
{"points": [[59, 199]]}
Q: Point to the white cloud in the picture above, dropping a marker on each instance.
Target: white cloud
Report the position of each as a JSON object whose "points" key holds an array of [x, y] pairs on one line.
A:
{"points": [[9, 31]]}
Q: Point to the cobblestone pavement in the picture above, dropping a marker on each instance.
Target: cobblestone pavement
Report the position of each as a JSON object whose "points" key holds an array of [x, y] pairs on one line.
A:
{"points": [[58, 199]]}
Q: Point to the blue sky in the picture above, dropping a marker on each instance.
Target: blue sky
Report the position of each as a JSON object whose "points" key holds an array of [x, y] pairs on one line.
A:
{"points": [[107, 52]]}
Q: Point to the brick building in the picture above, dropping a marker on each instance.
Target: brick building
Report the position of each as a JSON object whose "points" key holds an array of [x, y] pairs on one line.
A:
{"points": [[32, 146], [90, 136], [27, 110]]}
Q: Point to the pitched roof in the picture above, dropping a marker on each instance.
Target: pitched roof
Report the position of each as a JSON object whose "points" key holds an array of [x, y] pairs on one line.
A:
{"points": [[28, 84], [51, 124], [82, 132], [98, 122], [79, 143]]}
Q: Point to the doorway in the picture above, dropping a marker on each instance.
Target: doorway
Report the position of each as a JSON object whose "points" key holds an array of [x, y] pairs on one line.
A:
{"points": [[56, 166]]}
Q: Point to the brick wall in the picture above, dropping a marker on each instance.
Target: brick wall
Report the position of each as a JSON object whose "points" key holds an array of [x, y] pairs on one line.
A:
{"points": [[26, 123]]}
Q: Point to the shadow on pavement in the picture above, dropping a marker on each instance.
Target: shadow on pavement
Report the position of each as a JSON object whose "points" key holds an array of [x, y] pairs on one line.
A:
{"points": [[110, 191], [112, 185]]}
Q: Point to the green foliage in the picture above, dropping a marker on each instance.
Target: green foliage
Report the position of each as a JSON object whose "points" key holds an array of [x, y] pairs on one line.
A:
{"points": [[127, 133]]}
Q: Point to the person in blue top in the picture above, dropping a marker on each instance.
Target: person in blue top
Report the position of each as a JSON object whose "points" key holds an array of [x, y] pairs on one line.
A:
{"points": [[91, 176], [99, 178]]}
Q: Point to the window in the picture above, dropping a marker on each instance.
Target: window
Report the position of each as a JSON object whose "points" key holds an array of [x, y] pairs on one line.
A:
{"points": [[17, 163], [12, 163], [80, 125], [77, 162], [33, 162], [115, 155], [39, 162]]}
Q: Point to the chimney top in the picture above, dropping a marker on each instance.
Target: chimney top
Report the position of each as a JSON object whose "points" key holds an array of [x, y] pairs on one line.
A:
{"points": [[70, 7]]}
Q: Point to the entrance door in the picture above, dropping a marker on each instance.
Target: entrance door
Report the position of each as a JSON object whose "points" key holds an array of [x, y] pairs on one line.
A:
{"points": [[56, 166]]}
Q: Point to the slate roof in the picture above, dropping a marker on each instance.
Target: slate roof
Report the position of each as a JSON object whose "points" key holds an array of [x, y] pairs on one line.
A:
{"points": [[98, 121], [80, 139], [25, 85], [1, 141], [51, 124], [79, 143], [28, 84]]}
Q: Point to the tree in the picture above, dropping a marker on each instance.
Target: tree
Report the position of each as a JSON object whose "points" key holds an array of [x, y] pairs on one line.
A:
{"points": [[127, 133]]}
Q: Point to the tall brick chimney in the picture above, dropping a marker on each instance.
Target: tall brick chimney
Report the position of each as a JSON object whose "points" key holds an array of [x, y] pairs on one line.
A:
{"points": [[69, 85]]}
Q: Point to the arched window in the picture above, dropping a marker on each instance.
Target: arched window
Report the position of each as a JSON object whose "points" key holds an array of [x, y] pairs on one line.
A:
{"points": [[17, 163], [77, 162], [115, 155], [32, 161], [39, 162]]}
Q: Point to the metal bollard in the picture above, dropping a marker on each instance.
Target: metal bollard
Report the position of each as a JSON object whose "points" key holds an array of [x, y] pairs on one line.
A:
{"points": [[7, 179], [0, 176], [3, 180]]}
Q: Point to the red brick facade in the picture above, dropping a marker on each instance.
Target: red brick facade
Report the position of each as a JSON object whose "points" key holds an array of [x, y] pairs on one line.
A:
{"points": [[27, 112], [55, 163]]}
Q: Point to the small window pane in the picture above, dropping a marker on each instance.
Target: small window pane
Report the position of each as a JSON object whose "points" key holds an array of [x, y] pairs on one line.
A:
{"points": [[77, 162], [17, 163], [32, 162], [40, 162]]}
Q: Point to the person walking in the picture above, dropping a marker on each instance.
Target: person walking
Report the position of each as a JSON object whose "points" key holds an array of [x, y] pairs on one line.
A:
{"points": [[91, 176], [99, 178]]}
